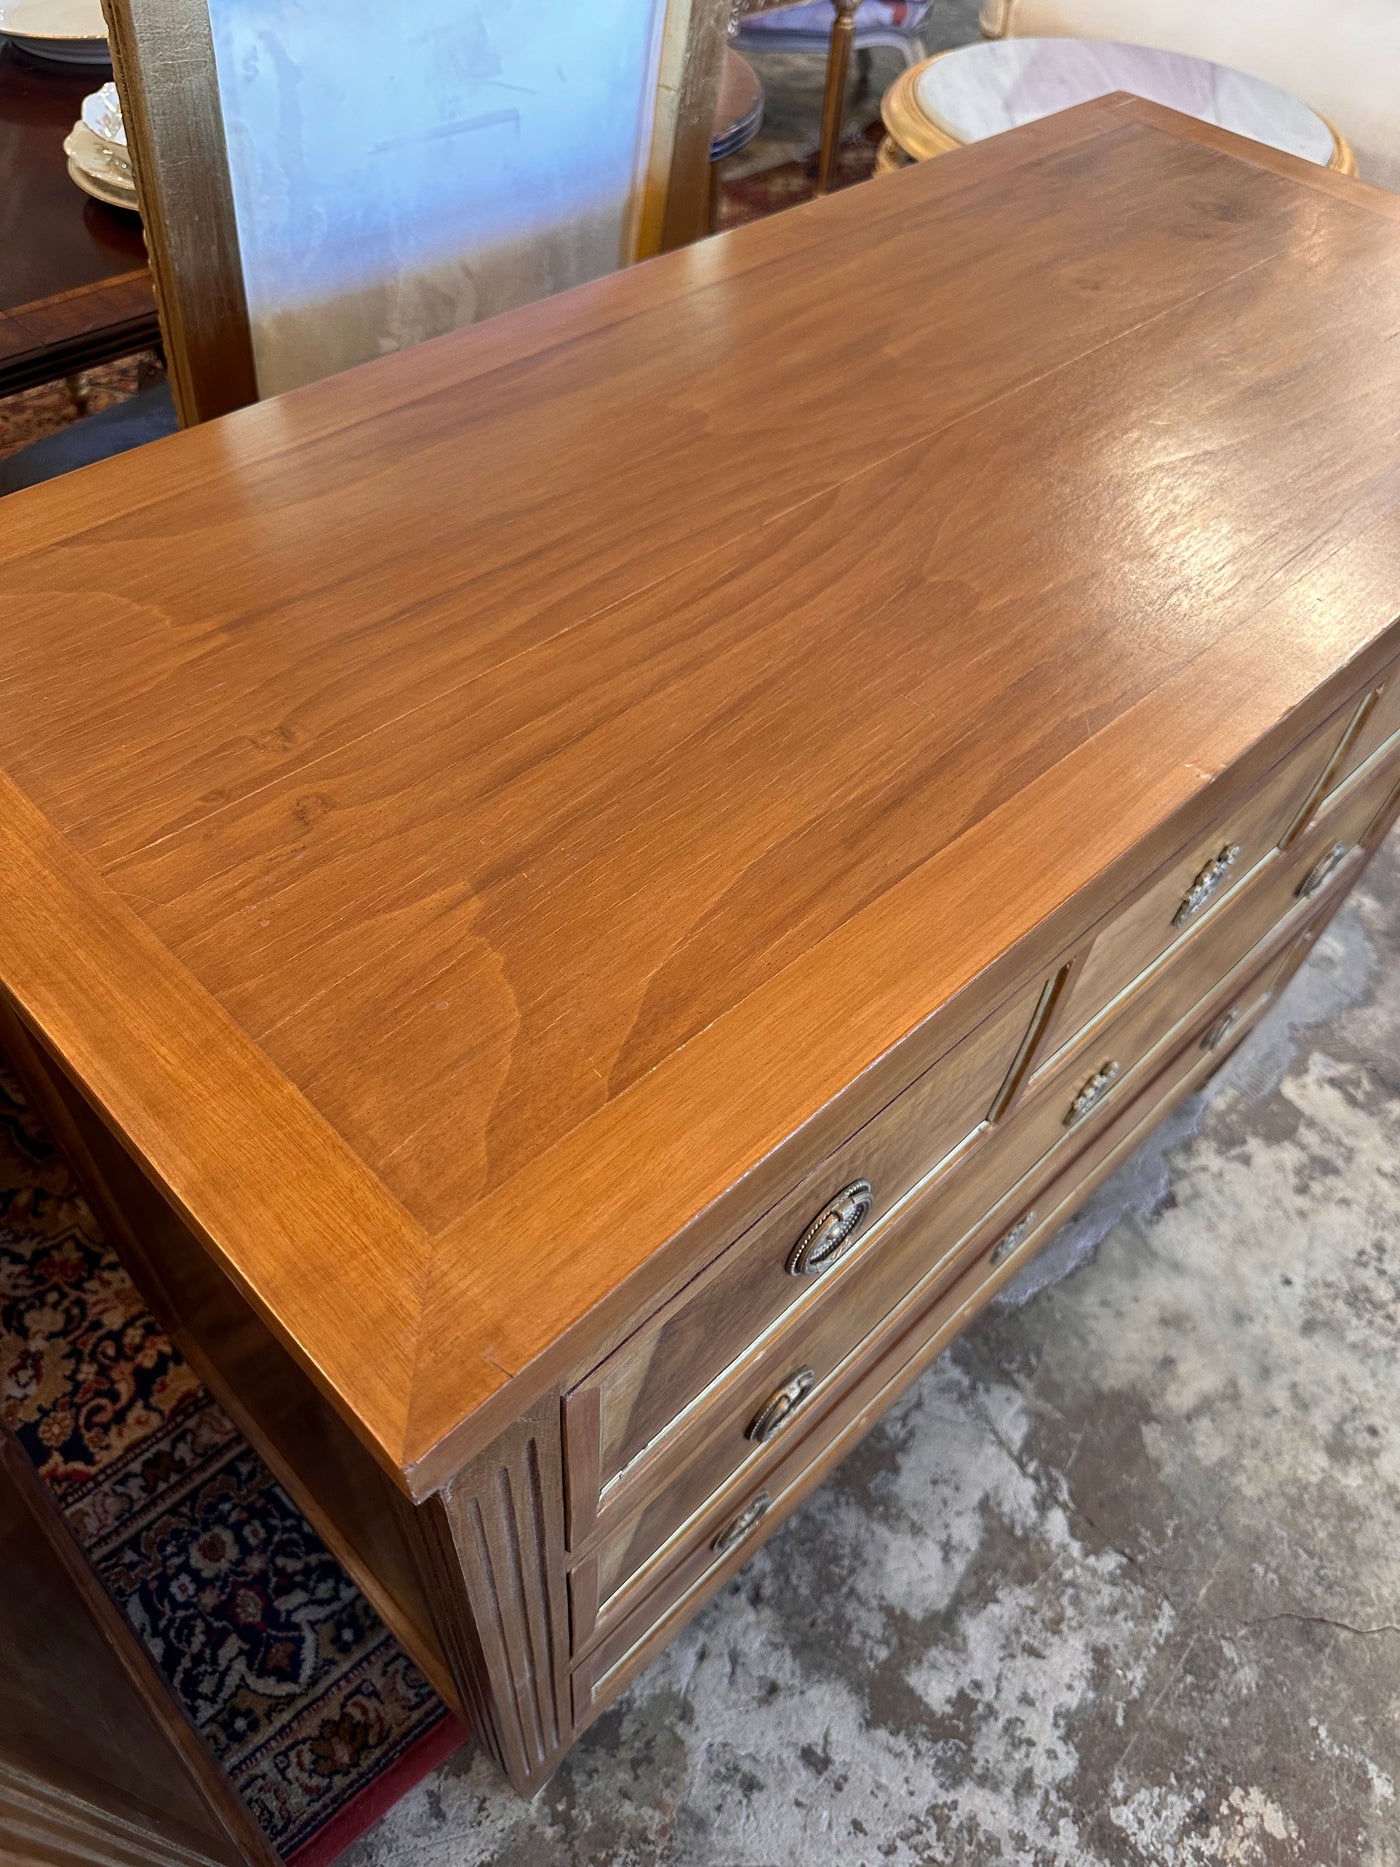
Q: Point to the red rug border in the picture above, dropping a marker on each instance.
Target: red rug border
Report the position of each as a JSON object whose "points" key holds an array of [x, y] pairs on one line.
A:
{"points": [[380, 1794]]}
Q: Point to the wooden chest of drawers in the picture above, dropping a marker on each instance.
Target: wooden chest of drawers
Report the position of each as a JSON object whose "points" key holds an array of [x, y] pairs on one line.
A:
{"points": [[581, 897]]}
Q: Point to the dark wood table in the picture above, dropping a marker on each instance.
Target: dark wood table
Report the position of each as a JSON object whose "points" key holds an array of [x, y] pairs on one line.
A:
{"points": [[75, 288]]}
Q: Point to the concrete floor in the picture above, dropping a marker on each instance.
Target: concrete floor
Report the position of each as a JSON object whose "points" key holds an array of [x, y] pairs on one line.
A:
{"points": [[1117, 1583]]}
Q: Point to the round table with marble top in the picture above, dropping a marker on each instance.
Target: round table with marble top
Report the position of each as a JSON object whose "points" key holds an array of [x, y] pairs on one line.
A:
{"points": [[975, 91]]}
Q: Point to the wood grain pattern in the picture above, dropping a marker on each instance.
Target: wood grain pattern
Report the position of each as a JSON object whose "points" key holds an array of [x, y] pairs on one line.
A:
{"points": [[1378, 724], [481, 834], [1140, 934], [1041, 878], [683, 1348], [695, 1457], [358, 1512], [497, 875], [76, 329], [689, 1572], [99, 1767], [623, 1612], [147, 1048], [499, 1526]]}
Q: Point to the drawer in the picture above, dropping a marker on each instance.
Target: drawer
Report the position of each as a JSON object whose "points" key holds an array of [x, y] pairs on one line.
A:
{"points": [[771, 1392], [1372, 741], [1073, 1084], [1196, 880], [623, 1412], [622, 1613]]}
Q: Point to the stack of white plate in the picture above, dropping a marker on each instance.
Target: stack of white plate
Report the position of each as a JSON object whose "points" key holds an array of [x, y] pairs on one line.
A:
{"points": [[71, 32], [96, 150]]}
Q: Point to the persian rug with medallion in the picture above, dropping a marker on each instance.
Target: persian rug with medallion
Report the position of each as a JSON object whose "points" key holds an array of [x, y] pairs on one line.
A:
{"points": [[316, 1713]]}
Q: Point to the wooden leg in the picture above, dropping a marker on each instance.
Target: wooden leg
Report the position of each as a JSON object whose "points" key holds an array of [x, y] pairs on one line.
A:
{"points": [[838, 66], [493, 1548]]}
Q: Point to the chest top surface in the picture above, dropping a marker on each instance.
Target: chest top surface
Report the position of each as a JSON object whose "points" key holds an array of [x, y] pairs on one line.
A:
{"points": [[462, 815]]}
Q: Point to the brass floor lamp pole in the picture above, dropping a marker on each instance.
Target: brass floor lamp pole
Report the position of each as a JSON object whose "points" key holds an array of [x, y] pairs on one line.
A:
{"points": [[838, 69]]}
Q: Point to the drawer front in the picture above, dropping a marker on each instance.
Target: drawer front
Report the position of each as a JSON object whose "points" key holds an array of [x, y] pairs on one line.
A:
{"points": [[623, 1613], [1074, 1086], [1192, 884], [1375, 724], [774, 1391], [622, 1413]]}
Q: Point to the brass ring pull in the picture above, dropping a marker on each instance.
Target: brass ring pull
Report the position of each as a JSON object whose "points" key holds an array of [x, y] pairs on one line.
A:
{"points": [[1018, 1235], [778, 1410], [748, 1520], [1221, 1029], [1093, 1093], [832, 1233], [1207, 884], [1322, 871]]}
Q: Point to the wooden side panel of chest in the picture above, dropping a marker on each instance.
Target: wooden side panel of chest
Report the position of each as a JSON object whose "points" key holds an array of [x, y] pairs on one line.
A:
{"points": [[363, 1518], [99, 1767]]}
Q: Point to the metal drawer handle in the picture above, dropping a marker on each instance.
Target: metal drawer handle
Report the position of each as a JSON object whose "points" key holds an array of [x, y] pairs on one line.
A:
{"points": [[1093, 1093], [748, 1520], [1018, 1235], [777, 1411], [1221, 1029], [832, 1233], [1207, 884], [1322, 871]]}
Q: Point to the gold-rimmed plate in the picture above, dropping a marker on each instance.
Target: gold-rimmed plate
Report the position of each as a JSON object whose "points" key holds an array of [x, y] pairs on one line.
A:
{"points": [[97, 158], [107, 192], [71, 32]]}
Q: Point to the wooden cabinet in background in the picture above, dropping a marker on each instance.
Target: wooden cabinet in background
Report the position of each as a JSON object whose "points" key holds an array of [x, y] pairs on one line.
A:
{"points": [[580, 897]]}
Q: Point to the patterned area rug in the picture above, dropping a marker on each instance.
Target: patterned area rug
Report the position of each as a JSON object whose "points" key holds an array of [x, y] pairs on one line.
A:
{"points": [[748, 197], [315, 1712], [32, 414]]}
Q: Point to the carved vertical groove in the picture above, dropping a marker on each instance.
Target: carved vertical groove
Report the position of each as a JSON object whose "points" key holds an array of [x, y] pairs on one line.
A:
{"points": [[495, 1546]]}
